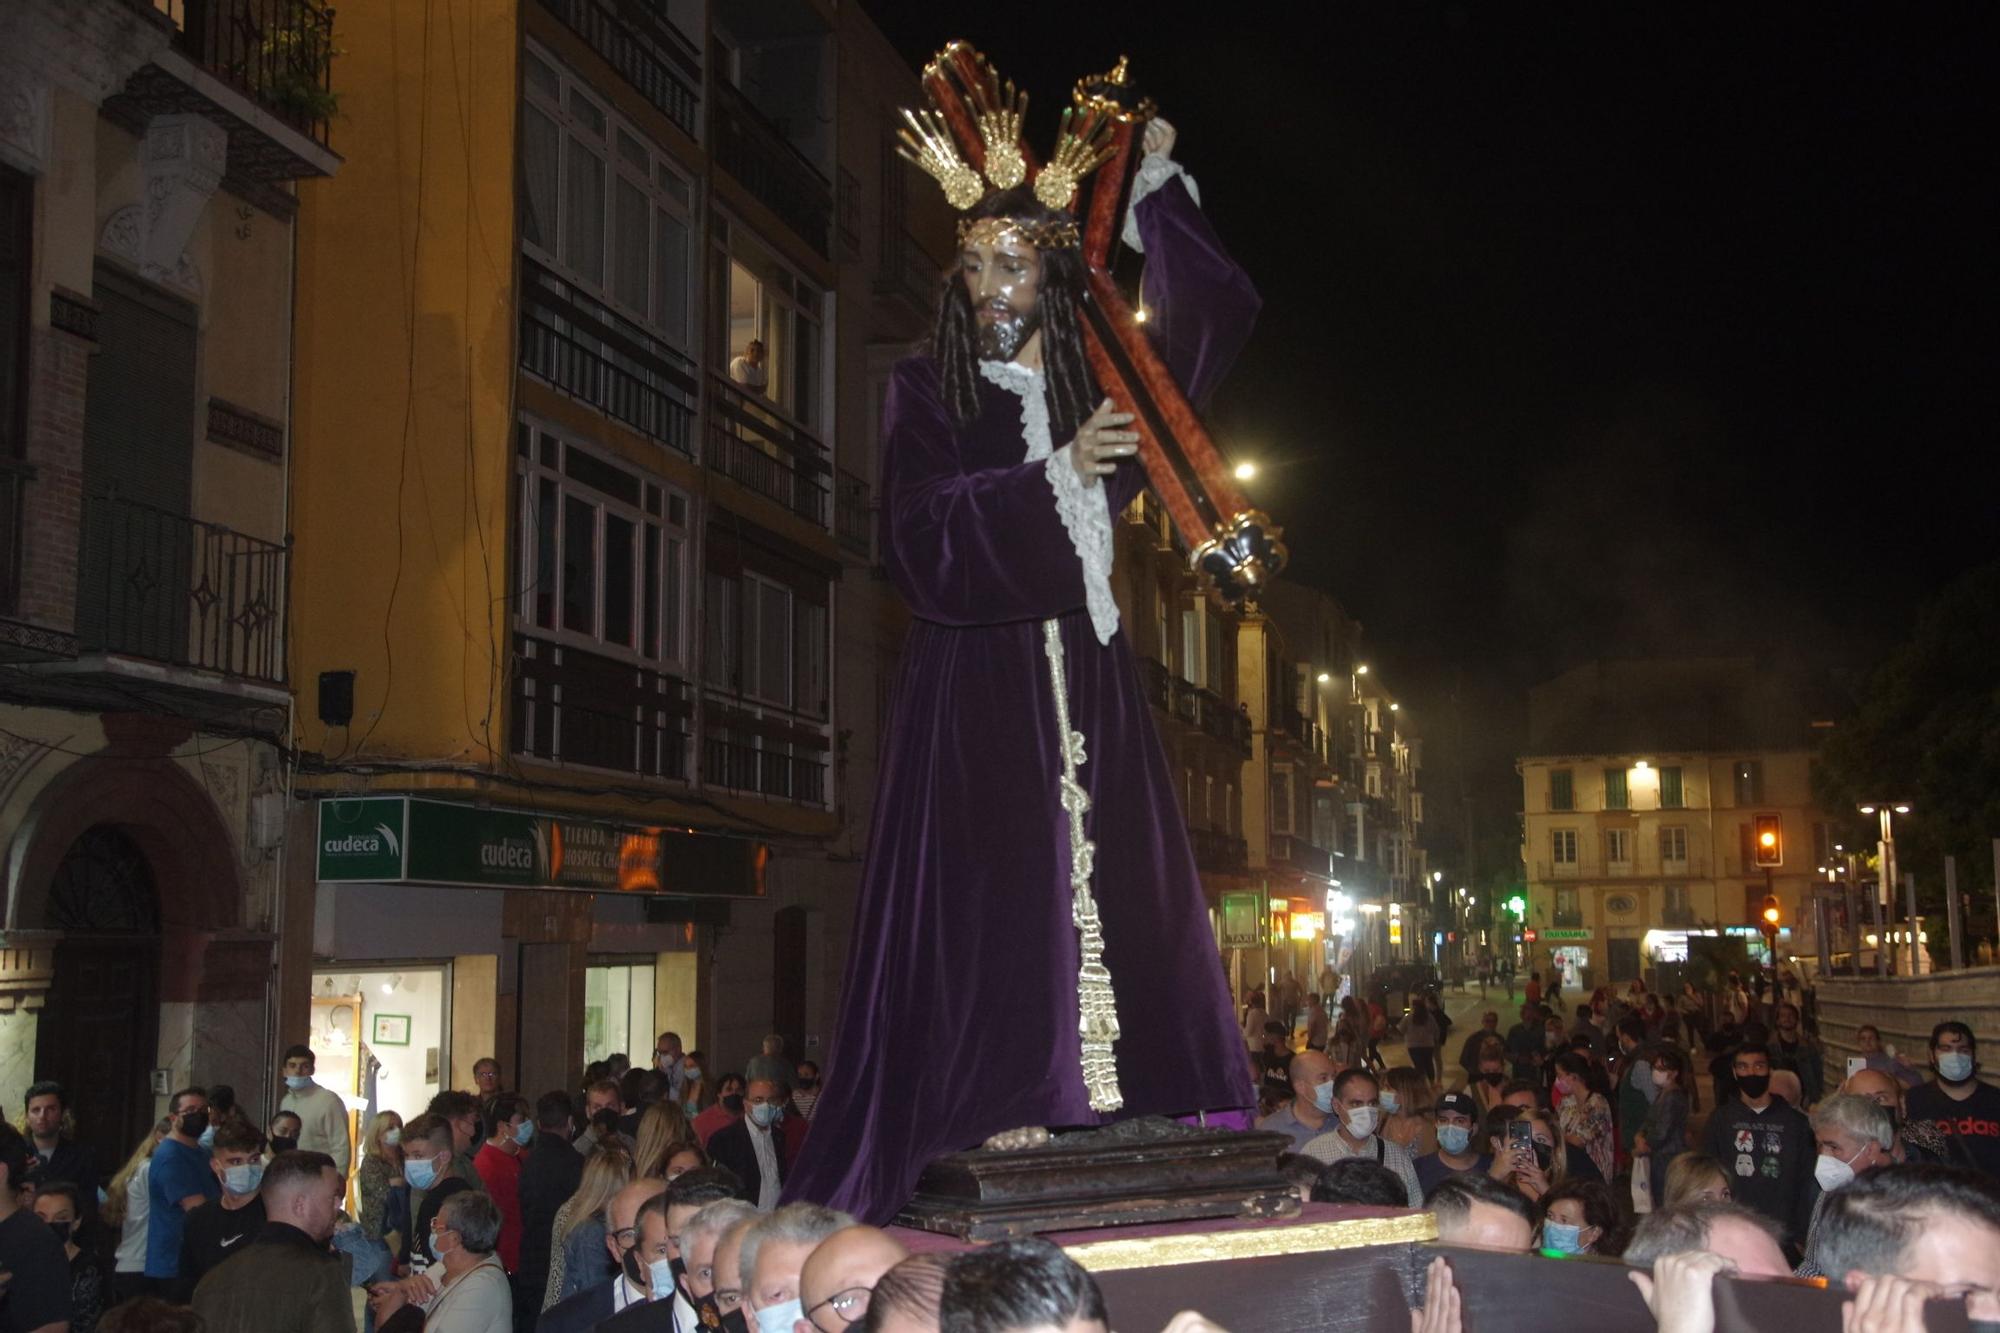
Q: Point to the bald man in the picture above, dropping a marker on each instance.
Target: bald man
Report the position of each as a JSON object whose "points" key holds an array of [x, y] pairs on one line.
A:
{"points": [[1886, 1091], [906, 1297], [1310, 1112], [632, 1287], [838, 1277]]}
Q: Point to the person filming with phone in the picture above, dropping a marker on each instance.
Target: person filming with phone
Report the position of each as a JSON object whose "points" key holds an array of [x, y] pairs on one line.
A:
{"points": [[1523, 1144]]}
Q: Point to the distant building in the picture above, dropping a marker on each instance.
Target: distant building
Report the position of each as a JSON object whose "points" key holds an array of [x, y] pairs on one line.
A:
{"points": [[1642, 785]]}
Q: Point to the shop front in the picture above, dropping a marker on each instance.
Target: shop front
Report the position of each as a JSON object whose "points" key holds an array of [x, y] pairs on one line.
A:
{"points": [[445, 933]]}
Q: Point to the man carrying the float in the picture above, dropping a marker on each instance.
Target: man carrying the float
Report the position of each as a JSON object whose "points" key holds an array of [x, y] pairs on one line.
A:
{"points": [[1031, 948]]}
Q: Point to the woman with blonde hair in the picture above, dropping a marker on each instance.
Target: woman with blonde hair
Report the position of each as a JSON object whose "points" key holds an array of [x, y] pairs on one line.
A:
{"points": [[1533, 1169], [1694, 1177], [380, 1173], [1406, 1111], [663, 1131], [577, 1257], [124, 1209]]}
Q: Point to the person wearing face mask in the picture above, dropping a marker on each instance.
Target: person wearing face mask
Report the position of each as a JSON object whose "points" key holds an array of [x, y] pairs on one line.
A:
{"points": [[285, 1279], [283, 1132], [727, 1110], [1933, 1224], [642, 1280], [56, 1206], [1582, 1111], [1406, 1111], [428, 1160], [1662, 1135], [380, 1175], [1918, 1142], [1578, 1217], [472, 1293], [500, 1168], [1357, 1100], [773, 1256], [1964, 1110], [1854, 1136], [1457, 1117], [757, 1148], [180, 1182], [322, 1114], [1304, 1117], [805, 1090], [1489, 1077], [1531, 1167], [216, 1230], [1767, 1146], [658, 1262]]}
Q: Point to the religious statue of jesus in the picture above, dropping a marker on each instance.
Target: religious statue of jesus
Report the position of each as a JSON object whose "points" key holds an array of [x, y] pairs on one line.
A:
{"points": [[1031, 945]]}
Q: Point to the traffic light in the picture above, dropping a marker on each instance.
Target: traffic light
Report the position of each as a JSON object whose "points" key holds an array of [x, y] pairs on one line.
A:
{"points": [[1769, 924], [1768, 840]]}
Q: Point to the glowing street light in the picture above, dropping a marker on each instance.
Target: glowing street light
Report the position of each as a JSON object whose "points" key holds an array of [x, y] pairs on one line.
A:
{"points": [[1361, 670], [1245, 471], [1395, 708], [1324, 677]]}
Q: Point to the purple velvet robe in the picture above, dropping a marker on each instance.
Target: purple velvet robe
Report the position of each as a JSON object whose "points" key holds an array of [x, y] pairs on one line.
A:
{"points": [[958, 1015]]}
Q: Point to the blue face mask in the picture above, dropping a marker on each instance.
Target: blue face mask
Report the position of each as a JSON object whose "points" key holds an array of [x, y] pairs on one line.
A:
{"points": [[1454, 1138], [524, 1133], [1954, 1066], [421, 1172], [207, 1139], [298, 1082], [765, 1114], [1567, 1239], [1323, 1097], [243, 1179], [660, 1276]]}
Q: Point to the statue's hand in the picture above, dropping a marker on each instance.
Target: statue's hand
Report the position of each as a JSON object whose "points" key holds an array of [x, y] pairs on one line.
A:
{"points": [[1099, 443]]}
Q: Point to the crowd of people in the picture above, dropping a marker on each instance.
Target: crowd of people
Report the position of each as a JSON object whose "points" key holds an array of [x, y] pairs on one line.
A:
{"points": [[648, 1197]]}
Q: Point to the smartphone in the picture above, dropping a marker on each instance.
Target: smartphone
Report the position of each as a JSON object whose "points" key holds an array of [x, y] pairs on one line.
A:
{"points": [[1855, 1064], [1521, 1136]]}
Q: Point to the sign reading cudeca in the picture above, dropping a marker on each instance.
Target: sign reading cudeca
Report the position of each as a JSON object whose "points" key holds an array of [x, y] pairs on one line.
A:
{"points": [[400, 839]]}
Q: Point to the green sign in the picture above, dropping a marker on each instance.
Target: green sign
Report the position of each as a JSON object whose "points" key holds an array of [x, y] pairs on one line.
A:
{"points": [[414, 841], [1242, 920], [1566, 934]]}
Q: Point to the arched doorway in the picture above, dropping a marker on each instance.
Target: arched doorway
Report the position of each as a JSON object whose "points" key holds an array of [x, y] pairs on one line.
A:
{"points": [[98, 1033]]}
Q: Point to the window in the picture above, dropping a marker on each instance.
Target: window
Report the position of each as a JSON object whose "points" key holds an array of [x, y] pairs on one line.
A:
{"points": [[1562, 846], [601, 205], [617, 1008], [1671, 796], [1618, 846], [770, 304], [1749, 776], [1569, 907], [1281, 800], [1677, 907], [1562, 789], [1211, 818], [1674, 846], [1616, 795], [17, 229], [1194, 656], [601, 550]]}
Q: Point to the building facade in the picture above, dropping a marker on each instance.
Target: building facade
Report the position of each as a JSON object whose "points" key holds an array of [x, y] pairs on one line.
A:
{"points": [[1642, 790], [148, 159], [592, 658]]}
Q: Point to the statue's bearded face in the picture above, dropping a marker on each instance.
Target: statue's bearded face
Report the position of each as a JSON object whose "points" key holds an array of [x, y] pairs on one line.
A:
{"points": [[1003, 280]]}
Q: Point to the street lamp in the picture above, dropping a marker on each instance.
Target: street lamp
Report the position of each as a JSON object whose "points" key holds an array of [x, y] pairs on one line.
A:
{"points": [[1361, 670], [1245, 471], [1324, 677], [1885, 813]]}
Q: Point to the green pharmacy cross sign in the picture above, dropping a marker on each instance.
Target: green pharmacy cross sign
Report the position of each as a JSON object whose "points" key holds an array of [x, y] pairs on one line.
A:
{"points": [[408, 840]]}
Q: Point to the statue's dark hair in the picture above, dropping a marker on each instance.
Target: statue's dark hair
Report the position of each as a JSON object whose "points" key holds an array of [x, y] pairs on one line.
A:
{"points": [[1065, 374]]}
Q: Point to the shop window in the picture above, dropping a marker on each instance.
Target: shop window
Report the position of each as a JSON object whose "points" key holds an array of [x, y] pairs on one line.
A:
{"points": [[379, 1036], [618, 1011]]}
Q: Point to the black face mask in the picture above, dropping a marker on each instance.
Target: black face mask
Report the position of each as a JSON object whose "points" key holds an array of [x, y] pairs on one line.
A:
{"points": [[1753, 1086], [62, 1230], [735, 1322], [1544, 1155], [283, 1143], [733, 1103], [194, 1124], [641, 1278], [679, 1270], [808, 1084], [1492, 1077]]}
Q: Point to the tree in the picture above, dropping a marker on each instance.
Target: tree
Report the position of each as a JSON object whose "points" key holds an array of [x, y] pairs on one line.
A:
{"points": [[1927, 729]]}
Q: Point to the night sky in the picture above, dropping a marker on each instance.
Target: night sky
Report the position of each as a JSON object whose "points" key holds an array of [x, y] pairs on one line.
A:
{"points": [[1589, 330]]}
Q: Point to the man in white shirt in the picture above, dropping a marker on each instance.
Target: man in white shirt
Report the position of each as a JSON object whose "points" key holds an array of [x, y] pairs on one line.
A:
{"points": [[321, 1112], [1357, 1100], [748, 370]]}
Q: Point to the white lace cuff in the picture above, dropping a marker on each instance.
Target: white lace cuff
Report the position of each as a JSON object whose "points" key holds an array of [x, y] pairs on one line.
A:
{"points": [[1086, 515], [1155, 170]]}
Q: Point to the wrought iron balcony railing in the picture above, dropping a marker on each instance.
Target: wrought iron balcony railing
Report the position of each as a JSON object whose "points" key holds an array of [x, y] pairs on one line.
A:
{"points": [[1218, 853], [750, 441], [741, 765], [646, 49], [764, 162], [169, 588], [278, 53], [593, 354], [854, 516]]}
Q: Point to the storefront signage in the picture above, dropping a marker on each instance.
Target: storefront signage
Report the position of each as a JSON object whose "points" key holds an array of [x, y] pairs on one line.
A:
{"points": [[1565, 934], [398, 839], [1242, 920]]}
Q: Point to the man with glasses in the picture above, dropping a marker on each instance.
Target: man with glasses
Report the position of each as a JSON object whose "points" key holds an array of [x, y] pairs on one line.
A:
{"points": [[622, 1241], [839, 1276], [685, 1196]]}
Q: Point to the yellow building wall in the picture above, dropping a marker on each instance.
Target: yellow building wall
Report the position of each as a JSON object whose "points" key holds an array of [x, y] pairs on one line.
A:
{"points": [[404, 385]]}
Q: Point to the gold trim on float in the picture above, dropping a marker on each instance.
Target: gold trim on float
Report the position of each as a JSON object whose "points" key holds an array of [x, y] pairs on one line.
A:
{"points": [[1118, 1256]]}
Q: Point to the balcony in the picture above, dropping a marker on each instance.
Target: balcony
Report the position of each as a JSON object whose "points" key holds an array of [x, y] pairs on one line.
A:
{"points": [[1218, 853], [1644, 868], [755, 152], [584, 709], [1677, 916], [907, 272], [1300, 855], [165, 588], [262, 70], [760, 769], [646, 49], [1305, 734], [751, 442], [1571, 918], [853, 515], [598, 357], [1195, 706]]}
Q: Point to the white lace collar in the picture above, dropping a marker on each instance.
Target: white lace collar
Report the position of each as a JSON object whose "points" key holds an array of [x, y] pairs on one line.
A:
{"points": [[1011, 375]]}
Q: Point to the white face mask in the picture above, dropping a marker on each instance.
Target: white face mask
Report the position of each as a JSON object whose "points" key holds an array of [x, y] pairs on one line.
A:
{"points": [[1832, 1173], [780, 1318], [1361, 1121]]}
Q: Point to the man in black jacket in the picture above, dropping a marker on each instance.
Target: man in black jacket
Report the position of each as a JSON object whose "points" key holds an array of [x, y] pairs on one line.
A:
{"points": [[54, 1156], [550, 1175], [1766, 1147], [756, 1147], [217, 1230]]}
